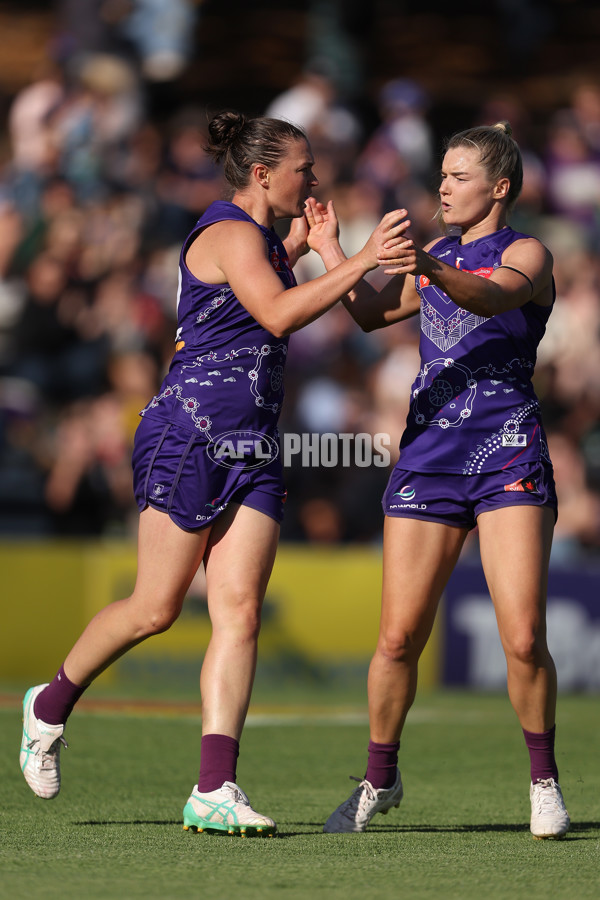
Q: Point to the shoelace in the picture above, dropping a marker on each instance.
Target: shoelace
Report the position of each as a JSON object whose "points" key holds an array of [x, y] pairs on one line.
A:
{"points": [[239, 796], [547, 797], [363, 794], [48, 756]]}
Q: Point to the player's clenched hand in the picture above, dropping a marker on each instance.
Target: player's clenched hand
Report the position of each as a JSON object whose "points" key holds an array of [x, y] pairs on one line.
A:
{"points": [[384, 240], [399, 254]]}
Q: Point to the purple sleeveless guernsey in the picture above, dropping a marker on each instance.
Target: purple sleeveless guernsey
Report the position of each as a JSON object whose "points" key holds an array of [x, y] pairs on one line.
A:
{"points": [[473, 408], [227, 371]]}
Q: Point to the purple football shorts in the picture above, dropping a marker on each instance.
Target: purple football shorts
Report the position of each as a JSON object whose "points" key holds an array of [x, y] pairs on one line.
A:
{"points": [[173, 472], [458, 499]]}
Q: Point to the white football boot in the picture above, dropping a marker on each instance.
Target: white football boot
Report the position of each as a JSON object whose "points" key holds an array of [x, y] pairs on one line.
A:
{"points": [[358, 810], [226, 809], [40, 749], [549, 818]]}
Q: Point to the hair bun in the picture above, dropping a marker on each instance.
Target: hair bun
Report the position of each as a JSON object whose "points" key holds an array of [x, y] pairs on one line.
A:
{"points": [[225, 127], [504, 126]]}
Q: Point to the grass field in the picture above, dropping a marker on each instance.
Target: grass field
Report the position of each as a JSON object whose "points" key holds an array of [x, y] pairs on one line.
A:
{"points": [[461, 831]]}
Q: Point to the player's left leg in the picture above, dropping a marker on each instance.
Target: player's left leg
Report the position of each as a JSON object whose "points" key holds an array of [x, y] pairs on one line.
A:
{"points": [[515, 546], [238, 562], [515, 543]]}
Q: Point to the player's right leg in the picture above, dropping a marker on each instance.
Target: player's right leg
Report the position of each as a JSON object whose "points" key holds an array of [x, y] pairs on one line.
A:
{"points": [[418, 558], [168, 558]]}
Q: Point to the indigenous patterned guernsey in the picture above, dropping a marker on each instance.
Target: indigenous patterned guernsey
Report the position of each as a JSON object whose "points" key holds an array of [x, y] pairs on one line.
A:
{"points": [[227, 371], [222, 395], [473, 408]]}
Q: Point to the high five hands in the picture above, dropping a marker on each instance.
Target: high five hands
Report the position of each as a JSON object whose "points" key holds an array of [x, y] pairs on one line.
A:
{"points": [[388, 241]]}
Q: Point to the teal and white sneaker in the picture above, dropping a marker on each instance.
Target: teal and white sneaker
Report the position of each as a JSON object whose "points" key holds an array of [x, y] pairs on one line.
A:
{"points": [[549, 817], [226, 809], [355, 813], [40, 750]]}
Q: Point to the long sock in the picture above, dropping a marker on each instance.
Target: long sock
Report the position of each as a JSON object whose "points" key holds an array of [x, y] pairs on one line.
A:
{"points": [[55, 703], [382, 764], [541, 754], [218, 761]]}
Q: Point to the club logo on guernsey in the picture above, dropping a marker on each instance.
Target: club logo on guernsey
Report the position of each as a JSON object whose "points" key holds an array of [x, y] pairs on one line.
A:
{"points": [[243, 450]]}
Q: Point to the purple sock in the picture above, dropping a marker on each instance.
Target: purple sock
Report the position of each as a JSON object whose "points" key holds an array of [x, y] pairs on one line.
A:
{"points": [[541, 754], [55, 703], [218, 761], [382, 764]]}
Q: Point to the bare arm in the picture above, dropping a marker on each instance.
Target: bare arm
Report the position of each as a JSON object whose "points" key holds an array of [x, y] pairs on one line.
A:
{"points": [[525, 274], [371, 309], [236, 252]]}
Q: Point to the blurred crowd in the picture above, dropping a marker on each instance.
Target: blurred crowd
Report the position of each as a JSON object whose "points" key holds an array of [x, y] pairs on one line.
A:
{"points": [[96, 197]]}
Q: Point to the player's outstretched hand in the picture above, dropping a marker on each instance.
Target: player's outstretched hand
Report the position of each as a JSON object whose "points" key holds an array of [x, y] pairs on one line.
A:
{"points": [[323, 225]]}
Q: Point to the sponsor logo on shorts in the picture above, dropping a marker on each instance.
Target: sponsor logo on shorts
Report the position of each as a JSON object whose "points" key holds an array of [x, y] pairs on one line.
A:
{"points": [[526, 485], [243, 450], [157, 491], [407, 493], [213, 507], [407, 506]]}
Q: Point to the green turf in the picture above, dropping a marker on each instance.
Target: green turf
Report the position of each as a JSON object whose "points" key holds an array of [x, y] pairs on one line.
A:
{"points": [[461, 831]]}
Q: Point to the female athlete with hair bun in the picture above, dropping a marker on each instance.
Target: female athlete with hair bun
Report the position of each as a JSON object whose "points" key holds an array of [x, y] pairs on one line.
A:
{"points": [[473, 452], [207, 473]]}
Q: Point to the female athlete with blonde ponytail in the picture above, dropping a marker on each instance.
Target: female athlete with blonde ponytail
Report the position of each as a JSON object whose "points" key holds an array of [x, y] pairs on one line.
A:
{"points": [[473, 453]]}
